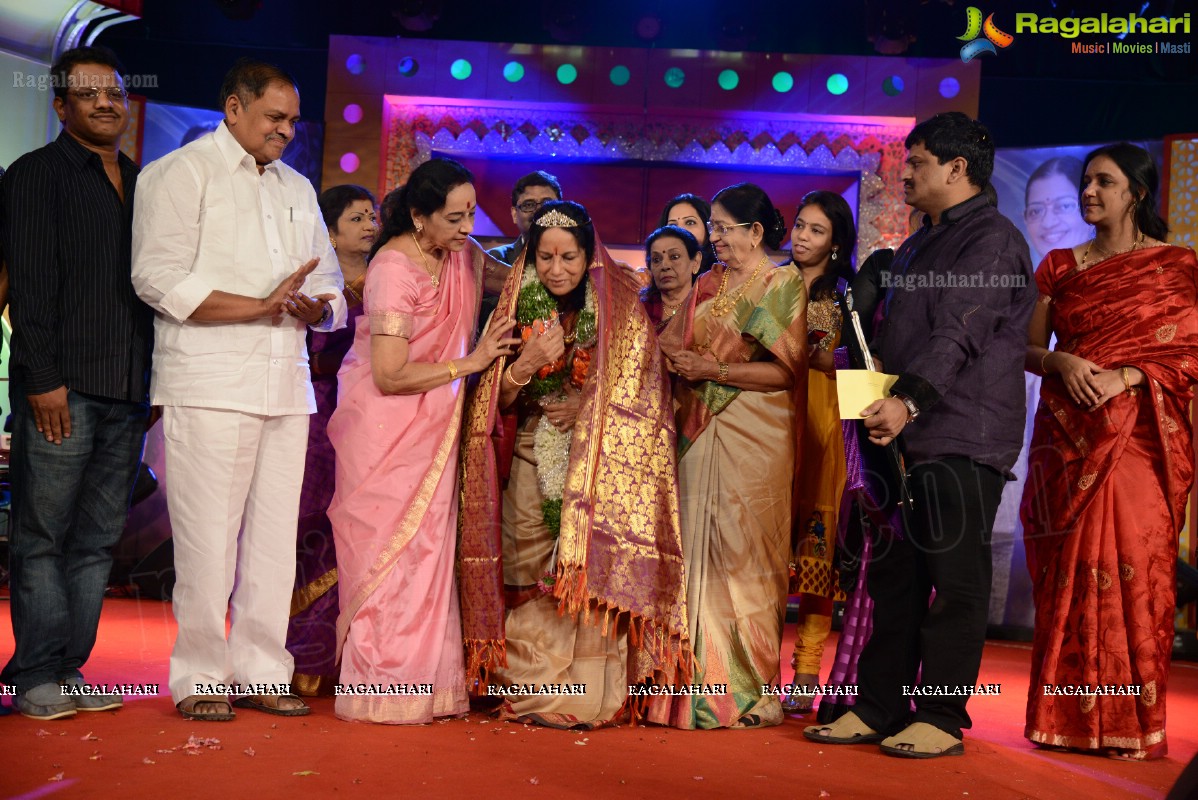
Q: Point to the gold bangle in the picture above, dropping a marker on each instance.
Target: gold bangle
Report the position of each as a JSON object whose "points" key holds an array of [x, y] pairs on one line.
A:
{"points": [[453, 371], [1044, 362], [508, 374], [1126, 380], [722, 377]]}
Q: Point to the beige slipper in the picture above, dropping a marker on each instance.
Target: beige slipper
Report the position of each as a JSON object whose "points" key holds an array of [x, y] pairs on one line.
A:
{"points": [[921, 740], [849, 729]]}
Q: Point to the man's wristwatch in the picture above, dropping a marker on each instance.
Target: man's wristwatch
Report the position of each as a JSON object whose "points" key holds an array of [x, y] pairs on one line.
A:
{"points": [[324, 315], [912, 409]]}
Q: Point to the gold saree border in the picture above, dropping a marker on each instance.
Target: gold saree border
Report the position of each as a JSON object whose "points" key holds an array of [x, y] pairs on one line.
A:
{"points": [[307, 685], [390, 323], [446, 701], [302, 599]]}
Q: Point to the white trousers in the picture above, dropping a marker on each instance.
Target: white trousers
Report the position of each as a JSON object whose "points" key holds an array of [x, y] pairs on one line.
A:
{"points": [[224, 468]]}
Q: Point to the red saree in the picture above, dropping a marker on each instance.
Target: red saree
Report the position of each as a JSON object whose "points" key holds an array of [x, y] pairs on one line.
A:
{"points": [[1105, 499]]}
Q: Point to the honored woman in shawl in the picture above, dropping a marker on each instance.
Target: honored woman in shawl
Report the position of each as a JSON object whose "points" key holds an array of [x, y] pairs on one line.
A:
{"points": [[396, 433], [739, 348], [570, 557], [1110, 466]]}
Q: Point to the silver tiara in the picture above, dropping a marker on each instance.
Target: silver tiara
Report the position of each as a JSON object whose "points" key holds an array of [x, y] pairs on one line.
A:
{"points": [[556, 219]]}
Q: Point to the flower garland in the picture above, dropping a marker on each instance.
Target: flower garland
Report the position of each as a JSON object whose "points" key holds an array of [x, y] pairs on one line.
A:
{"points": [[536, 312]]}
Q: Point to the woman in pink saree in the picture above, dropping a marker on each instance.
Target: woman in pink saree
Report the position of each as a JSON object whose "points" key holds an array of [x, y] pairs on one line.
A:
{"points": [[396, 432]]}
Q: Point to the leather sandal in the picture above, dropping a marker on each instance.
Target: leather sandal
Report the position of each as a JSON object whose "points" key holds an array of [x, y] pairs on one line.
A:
{"points": [[922, 740], [188, 705], [849, 729], [255, 702]]}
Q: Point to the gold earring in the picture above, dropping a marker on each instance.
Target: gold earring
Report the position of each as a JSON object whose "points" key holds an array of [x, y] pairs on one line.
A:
{"points": [[332, 241]]}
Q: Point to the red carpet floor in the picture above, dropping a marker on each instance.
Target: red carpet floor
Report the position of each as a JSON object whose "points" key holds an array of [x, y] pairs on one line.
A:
{"points": [[142, 751]]}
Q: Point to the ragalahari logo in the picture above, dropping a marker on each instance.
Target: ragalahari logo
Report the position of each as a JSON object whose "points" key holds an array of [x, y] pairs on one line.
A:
{"points": [[974, 27]]}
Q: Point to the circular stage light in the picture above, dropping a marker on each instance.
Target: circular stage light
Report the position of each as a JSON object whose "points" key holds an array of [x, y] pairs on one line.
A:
{"points": [[950, 88], [408, 66], [728, 80], [893, 86], [620, 75], [460, 69], [783, 82], [837, 83], [355, 64], [350, 163], [675, 77], [513, 71], [352, 113], [567, 74]]}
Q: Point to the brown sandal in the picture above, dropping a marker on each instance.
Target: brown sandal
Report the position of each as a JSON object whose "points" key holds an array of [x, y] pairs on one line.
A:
{"points": [[187, 707]]}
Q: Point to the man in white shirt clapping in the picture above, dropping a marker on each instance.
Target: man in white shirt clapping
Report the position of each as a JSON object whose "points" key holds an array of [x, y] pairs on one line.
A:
{"points": [[230, 250]]}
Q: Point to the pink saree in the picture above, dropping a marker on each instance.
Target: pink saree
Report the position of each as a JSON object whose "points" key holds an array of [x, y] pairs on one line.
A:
{"points": [[394, 513]]}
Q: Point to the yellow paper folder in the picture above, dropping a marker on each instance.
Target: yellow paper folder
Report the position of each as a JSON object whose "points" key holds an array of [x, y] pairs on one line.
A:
{"points": [[857, 388]]}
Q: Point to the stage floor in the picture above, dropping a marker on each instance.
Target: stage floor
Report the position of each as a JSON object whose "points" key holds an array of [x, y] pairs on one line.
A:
{"points": [[143, 750]]}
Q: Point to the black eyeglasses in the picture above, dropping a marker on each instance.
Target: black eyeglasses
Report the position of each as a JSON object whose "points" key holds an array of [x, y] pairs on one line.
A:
{"points": [[529, 206]]}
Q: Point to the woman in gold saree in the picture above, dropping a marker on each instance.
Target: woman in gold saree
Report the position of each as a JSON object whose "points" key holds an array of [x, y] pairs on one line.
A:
{"points": [[570, 555], [740, 350]]}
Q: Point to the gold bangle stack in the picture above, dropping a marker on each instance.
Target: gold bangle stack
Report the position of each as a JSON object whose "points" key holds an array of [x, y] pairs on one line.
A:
{"points": [[508, 374], [453, 371], [722, 377]]}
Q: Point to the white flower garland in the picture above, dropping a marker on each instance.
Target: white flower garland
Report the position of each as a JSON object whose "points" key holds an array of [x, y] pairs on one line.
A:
{"points": [[551, 448]]}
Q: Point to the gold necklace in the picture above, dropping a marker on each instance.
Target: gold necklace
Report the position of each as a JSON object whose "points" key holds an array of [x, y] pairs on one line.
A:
{"points": [[431, 275], [1106, 254], [724, 303]]}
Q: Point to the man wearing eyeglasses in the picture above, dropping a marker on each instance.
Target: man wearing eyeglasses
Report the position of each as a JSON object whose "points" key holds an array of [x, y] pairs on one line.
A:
{"points": [[528, 195], [79, 380]]}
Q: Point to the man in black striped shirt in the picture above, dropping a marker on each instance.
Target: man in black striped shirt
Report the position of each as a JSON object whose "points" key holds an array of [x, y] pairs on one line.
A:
{"points": [[79, 379]]}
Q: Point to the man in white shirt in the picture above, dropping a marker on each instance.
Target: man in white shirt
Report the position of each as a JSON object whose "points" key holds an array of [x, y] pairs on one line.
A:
{"points": [[219, 229]]}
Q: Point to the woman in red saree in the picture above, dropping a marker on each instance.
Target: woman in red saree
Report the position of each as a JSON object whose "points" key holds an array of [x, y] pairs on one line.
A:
{"points": [[570, 555], [1110, 466]]}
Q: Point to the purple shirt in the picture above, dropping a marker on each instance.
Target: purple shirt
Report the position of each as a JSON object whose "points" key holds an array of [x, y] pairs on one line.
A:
{"points": [[955, 332]]}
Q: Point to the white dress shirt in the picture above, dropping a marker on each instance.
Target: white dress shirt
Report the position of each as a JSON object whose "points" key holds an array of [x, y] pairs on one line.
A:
{"points": [[205, 219]]}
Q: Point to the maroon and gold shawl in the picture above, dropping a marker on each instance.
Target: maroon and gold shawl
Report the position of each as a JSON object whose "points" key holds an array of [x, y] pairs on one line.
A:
{"points": [[620, 550]]}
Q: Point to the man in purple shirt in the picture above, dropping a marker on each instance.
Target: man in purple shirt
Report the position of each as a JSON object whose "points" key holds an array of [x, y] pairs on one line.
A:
{"points": [[955, 330]]}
